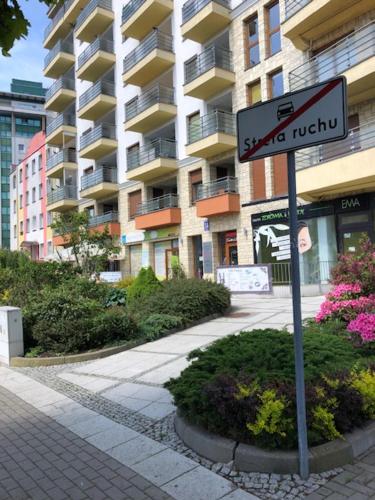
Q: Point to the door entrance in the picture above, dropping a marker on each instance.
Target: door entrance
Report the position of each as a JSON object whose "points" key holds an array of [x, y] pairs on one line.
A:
{"points": [[353, 228], [171, 260], [198, 256]]}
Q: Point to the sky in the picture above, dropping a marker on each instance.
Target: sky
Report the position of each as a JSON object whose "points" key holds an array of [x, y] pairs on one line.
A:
{"points": [[27, 56]]}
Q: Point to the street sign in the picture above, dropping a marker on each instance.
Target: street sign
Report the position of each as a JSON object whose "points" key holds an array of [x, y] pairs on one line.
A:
{"points": [[314, 115]]}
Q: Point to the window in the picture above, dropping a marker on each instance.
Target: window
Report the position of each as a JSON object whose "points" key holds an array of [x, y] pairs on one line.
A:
{"points": [[15, 231], [273, 29], [49, 218], [27, 198], [20, 175], [21, 227], [252, 54], [195, 178], [276, 85], [194, 129], [34, 195], [280, 175], [34, 223], [33, 167], [14, 206], [21, 201], [132, 156], [134, 200], [41, 224], [254, 93], [27, 171], [14, 181], [21, 147], [27, 225], [49, 247], [40, 162], [40, 191]]}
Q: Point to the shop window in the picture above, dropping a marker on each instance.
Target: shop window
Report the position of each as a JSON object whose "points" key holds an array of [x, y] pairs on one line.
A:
{"points": [[195, 179], [273, 29], [275, 84], [134, 199], [280, 175], [252, 53], [258, 179]]}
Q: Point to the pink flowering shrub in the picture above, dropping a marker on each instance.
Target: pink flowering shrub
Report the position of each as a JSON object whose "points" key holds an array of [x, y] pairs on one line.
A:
{"points": [[345, 291], [346, 309], [364, 325]]}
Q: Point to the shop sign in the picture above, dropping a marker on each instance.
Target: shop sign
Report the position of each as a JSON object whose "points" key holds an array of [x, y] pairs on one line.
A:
{"points": [[254, 278], [207, 257], [304, 212], [134, 237], [311, 116], [353, 203], [165, 232]]}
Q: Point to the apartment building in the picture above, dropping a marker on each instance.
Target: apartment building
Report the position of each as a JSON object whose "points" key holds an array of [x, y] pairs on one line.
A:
{"points": [[22, 114], [30, 220], [146, 94]]}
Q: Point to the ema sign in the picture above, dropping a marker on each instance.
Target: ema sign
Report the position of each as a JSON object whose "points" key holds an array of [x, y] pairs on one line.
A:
{"points": [[311, 116]]}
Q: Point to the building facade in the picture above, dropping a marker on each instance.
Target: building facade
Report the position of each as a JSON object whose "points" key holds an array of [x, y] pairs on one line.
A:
{"points": [[22, 115], [146, 95], [30, 222]]}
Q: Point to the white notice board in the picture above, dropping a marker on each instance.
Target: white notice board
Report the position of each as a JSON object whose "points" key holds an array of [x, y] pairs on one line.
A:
{"points": [[254, 278]]}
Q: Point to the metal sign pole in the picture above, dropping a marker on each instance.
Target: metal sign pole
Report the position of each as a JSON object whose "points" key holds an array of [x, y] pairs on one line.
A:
{"points": [[297, 321]]}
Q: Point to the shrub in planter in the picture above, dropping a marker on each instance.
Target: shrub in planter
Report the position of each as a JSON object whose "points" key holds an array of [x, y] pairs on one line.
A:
{"points": [[242, 387], [114, 324], [191, 299], [157, 325], [145, 284]]}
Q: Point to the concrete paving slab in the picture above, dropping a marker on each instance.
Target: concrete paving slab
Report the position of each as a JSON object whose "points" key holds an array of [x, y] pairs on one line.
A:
{"points": [[75, 416], [136, 450], [164, 467], [178, 343], [116, 435], [94, 384], [199, 484], [157, 410], [240, 495], [90, 426], [166, 372]]}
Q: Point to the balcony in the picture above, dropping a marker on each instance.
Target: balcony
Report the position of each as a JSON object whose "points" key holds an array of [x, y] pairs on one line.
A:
{"points": [[60, 94], [150, 110], [97, 101], [108, 220], [353, 56], [307, 20], [209, 73], [55, 29], [95, 60], [62, 199], [140, 16], [94, 19], [64, 159], [219, 197], [61, 129], [99, 184], [153, 56], [214, 134], [98, 142], [339, 168], [59, 59], [152, 160], [202, 19], [158, 212]]}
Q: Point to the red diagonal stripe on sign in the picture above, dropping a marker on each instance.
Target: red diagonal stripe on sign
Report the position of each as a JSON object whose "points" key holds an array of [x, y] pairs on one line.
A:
{"points": [[314, 99]]}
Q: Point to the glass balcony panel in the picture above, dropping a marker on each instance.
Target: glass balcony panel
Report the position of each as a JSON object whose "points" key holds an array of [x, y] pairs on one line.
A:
{"points": [[89, 9], [102, 131], [209, 58], [217, 187], [100, 87], [218, 121], [192, 7], [155, 40], [63, 156], [159, 148], [160, 203], [100, 175], [62, 193], [153, 96]]}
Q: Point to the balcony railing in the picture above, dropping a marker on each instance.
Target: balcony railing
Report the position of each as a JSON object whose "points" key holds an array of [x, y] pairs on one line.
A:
{"points": [[192, 7], [60, 120], [60, 14], [101, 174], [61, 83], [100, 87], [159, 148], [102, 131], [90, 7], [93, 48], [61, 46], [218, 121], [359, 139], [337, 59], [98, 220], [155, 95], [62, 193], [155, 40], [293, 6], [160, 203], [129, 9], [213, 57], [220, 186], [65, 155]]}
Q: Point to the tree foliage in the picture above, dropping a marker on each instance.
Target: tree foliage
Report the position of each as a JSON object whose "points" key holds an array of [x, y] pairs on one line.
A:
{"points": [[13, 23], [90, 248]]}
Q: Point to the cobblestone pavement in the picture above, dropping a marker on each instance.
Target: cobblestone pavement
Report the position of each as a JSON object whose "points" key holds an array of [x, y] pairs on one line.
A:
{"points": [[41, 459]]}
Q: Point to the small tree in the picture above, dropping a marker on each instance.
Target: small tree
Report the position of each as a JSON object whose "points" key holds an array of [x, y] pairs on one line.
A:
{"points": [[90, 248]]}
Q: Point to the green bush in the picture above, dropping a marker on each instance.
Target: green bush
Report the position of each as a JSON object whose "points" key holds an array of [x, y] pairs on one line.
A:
{"points": [[145, 284], [112, 325], [243, 387], [115, 297], [124, 283], [157, 325], [190, 299]]}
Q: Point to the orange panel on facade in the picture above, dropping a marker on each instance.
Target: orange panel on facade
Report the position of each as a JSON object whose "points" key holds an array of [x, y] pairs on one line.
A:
{"points": [[113, 230], [222, 204], [161, 218]]}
